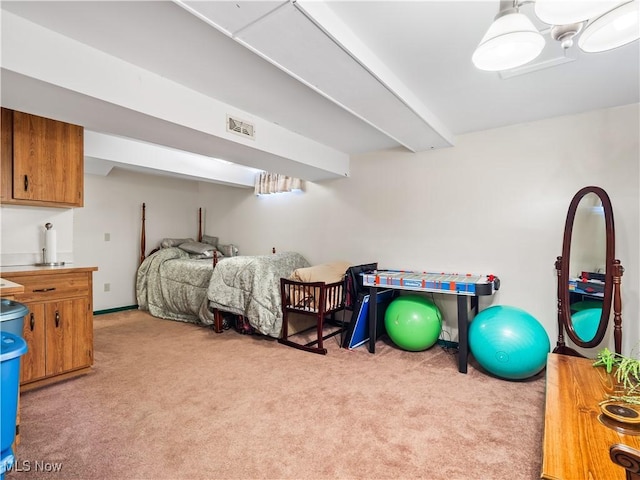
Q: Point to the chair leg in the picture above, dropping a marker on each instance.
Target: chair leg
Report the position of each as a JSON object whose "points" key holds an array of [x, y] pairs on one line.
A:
{"points": [[307, 348], [320, 331], [285, 325]]}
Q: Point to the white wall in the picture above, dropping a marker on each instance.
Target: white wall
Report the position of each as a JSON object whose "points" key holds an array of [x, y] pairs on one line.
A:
{"points": [[113, 205], [22, 235], [495, 203]]}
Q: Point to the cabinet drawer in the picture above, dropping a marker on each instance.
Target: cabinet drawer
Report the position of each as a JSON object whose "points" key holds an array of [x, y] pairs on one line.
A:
{"points": [[51, 287]]}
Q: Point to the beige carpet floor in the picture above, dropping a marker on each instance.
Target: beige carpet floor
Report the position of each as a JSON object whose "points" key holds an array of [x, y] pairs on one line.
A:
{"points": [[177, 401]]}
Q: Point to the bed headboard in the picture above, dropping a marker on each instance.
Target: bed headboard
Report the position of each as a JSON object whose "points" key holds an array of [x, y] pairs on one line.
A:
{"points": [[143, 234], [143, 238]]}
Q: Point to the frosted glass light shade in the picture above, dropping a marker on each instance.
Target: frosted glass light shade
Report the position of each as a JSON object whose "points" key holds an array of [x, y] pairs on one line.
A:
{"points": [[613, 29], [512, 40], [563, 12]]}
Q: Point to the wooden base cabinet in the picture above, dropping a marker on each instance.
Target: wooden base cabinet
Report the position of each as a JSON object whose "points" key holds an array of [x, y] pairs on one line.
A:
{"points": [[59, 326], [32, 363], [61, 337]]}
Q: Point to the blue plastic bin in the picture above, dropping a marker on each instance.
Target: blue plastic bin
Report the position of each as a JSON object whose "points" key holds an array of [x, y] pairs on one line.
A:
{"points": [[12, 316], [12, 347]]}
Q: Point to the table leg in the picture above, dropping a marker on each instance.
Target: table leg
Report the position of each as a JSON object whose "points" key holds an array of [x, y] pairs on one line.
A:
{"points": [[373, 318], [463, 334]]}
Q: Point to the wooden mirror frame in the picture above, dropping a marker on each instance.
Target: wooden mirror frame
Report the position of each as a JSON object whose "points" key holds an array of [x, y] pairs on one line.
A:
{"points": [[613, 274]]}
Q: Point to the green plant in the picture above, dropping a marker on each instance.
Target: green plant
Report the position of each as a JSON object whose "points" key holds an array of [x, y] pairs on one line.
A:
{"points": [[625, 370]]}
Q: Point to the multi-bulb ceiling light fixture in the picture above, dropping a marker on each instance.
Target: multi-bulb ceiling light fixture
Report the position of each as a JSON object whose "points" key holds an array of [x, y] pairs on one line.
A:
{"points": [[512, 39]]}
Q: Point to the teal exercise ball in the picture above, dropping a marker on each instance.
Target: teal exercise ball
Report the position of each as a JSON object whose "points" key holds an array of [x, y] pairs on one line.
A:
{"points": [[585, 323], [508, 342], [585, 304], [413, 322]]}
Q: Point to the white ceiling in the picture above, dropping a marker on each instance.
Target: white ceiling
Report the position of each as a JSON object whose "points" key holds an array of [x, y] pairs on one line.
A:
{"points": [[425, 89]]}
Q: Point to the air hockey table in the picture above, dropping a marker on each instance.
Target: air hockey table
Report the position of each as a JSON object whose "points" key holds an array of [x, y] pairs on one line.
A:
{"points": [[465, 287]]}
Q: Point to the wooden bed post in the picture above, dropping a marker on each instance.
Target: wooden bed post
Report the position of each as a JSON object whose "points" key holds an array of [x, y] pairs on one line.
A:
{"points": [[143, 238]]}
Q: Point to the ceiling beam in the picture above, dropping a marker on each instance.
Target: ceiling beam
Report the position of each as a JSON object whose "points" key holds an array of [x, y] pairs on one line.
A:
{"points": [[43, 71], [113, 151], [303, 38]]}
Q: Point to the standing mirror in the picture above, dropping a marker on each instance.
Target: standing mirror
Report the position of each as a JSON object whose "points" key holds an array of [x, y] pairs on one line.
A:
{"points": [[588, 274]]}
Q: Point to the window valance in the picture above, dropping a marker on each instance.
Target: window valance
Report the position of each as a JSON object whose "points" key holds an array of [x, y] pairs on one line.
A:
{"points": [[276, 183]]}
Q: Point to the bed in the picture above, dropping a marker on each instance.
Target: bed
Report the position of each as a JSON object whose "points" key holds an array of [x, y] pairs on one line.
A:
{"points": [[250, 286], [190, 286], [172, 285]]}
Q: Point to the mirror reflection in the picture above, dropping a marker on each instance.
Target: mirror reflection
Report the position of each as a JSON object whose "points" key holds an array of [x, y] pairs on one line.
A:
{"points": [[589, 275], [587, 266]]}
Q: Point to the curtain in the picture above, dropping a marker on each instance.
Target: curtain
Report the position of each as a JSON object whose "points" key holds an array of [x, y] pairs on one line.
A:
{"points": [[276, 183]]}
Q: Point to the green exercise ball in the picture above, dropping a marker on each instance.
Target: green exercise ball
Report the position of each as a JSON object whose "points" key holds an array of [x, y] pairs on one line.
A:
{"points": [[413, 322]]}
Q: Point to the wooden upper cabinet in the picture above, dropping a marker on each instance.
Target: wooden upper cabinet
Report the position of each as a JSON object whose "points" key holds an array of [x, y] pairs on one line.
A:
{"points": [[47, 167], [6, 155]]}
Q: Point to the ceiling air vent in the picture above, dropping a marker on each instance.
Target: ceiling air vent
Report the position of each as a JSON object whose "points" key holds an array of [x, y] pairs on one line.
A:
{"points": [[240, 127]]}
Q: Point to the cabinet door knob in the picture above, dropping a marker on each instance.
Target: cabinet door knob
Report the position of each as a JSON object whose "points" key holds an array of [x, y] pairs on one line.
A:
{"points": [[32, 322], [49, 289], [26, 183], [57, 318]]}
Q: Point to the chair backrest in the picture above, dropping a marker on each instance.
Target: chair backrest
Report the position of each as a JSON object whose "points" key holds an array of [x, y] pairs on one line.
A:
{"points": [[353, 282]]}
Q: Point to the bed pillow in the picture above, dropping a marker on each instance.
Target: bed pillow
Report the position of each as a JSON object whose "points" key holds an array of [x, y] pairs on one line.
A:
{"points": [[199, 248], [327, 272], [210, 240], [174, 242], [228, 250], [208, 255]]}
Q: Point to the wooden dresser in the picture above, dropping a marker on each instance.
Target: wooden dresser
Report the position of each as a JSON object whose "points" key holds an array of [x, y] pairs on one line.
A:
{"points": [[59, 326], [576, 441]]}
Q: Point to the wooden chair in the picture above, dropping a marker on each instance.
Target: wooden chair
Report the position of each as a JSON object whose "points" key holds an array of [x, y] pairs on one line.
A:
{"points": [[317, 299], [628, 458], [321, 300]]}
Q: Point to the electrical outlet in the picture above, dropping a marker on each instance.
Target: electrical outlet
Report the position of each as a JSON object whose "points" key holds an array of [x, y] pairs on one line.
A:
{"points": [[107, 287]]}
